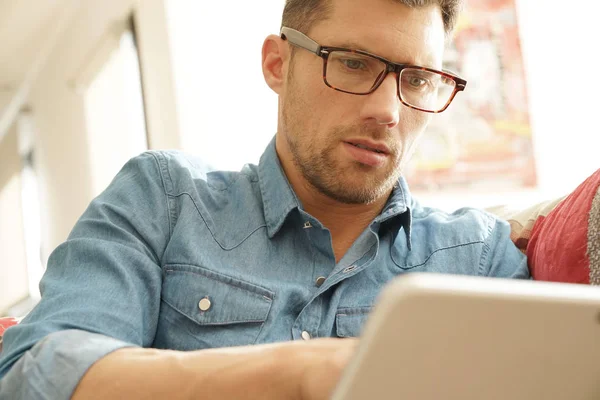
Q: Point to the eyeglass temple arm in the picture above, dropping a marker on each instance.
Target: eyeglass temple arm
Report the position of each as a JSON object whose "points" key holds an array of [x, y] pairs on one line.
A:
{"points": [[301, 40], [461, 83]]}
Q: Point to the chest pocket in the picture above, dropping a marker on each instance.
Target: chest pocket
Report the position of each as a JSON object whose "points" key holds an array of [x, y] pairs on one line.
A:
{"points": [[349, 322], [209, 309]]}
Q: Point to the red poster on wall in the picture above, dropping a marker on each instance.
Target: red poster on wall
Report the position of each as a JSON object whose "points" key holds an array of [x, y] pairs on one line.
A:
{"points": [[484, 139]]}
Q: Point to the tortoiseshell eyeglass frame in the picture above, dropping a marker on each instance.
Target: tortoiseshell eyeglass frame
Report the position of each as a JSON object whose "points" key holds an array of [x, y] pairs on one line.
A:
{"points": [[301, 40]]}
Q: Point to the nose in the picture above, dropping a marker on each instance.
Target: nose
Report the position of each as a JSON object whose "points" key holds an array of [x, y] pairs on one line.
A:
{"points": [[382, 107]]}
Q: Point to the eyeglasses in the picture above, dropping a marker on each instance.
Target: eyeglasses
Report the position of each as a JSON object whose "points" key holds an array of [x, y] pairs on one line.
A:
{"points": [[361, 73]]}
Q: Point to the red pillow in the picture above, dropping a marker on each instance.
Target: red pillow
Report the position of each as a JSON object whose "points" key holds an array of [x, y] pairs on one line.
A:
{"points": [[565, 245], [6, 323]]}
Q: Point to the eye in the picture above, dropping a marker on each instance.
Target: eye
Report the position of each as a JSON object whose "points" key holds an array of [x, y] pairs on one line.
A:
{"points": [[353, 63], [417, 82]]}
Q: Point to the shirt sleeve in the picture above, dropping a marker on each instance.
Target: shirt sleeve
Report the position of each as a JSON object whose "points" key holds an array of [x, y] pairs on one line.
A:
{"points": [[52, 368], [100, 292], [500, 257]]}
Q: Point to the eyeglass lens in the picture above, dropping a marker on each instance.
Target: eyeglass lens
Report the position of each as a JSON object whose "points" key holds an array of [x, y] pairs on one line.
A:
{"points": [[359, 74]]}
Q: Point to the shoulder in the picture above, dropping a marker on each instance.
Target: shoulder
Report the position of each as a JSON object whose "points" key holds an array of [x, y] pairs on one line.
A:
{"points": [[228, 203], [181, 171], [466, 241], [460, 226]]}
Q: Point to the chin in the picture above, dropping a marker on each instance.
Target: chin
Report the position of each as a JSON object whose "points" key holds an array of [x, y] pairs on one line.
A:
{"points": [[361, 194]]}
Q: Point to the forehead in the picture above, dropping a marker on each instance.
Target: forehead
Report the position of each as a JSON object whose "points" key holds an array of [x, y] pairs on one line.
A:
{"points": [[387, 28]]}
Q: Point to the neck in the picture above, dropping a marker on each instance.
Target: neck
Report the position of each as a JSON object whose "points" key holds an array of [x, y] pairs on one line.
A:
{"points": [[336, 216], [344, 221]]}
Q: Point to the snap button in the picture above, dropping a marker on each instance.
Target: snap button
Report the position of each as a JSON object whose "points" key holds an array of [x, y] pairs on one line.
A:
{"points": [[306, 335], [320, 281], [204, 304], [350, 269]]}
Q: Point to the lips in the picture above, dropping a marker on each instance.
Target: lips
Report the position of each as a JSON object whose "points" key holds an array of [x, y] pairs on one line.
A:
{"points": [[371, 154], [379, 148]]}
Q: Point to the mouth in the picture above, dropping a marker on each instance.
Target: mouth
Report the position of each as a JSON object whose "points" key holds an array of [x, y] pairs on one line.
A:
{"points": [[370, 146], [367, 153]]}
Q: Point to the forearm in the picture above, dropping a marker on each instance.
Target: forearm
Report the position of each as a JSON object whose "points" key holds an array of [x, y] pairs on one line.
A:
{"points": [[82, 365], [234, 373]]}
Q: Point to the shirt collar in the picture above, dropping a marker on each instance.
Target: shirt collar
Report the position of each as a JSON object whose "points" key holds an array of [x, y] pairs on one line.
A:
{"points": [[279, 198], [398, 210]]}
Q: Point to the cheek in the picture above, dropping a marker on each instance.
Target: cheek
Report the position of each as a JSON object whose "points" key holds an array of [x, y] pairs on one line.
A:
{"points": [[322, 111], [413, 123]]}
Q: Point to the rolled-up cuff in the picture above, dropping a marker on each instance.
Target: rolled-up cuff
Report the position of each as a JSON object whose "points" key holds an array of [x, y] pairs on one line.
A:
{"points": [[53, 368]]}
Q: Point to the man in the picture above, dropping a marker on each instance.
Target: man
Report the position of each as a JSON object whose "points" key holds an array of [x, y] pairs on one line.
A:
{"points": [[169, 269]]}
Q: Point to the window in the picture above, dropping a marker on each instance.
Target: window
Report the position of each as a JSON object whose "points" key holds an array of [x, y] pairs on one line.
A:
{"points": [[115, 112], [14, 286], [30, 204]]}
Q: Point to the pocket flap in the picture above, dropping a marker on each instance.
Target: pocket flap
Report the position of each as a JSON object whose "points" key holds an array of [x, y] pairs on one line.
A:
{"points": [[230, 300], [349, 321]]}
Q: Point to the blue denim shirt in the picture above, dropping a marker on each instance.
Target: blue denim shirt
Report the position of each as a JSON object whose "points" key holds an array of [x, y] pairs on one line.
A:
{"points": [[172, 257]]}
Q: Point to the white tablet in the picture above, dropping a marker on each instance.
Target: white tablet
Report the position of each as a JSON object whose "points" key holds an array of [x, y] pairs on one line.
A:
{"points": [[433, 337]]}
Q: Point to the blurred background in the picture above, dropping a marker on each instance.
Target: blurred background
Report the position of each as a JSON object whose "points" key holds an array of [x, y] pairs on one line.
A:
{"points": [[87, 84]]}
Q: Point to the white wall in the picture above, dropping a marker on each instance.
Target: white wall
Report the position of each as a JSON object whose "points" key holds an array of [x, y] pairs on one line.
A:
{"points": [[226, 111], [562, 55]]}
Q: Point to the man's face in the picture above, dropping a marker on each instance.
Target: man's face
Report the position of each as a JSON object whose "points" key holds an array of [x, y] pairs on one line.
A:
{"points": [[319, 127]]}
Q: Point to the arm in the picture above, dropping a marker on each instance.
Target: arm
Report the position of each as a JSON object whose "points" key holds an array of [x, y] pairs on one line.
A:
{"points": [[89, 335], [280, 371], [501, 258], [101, 290]]}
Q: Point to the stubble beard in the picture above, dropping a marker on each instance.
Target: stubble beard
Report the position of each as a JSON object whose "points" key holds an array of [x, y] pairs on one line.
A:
{"points": [[358, 184]]}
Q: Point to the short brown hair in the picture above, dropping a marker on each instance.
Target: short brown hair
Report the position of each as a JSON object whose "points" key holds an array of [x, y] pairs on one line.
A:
{"points": [[303, 14]]}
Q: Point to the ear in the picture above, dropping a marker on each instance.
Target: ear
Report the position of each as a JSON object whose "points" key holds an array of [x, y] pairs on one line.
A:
{"points": [[275, 55]]}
